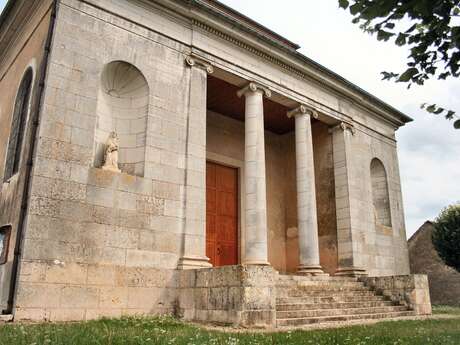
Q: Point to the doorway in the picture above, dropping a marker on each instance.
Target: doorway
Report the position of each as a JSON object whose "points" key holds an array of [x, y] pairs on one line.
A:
{"points": [[221, 214]]}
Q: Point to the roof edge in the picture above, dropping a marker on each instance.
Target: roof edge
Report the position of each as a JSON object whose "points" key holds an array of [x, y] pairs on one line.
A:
{"points": [[275, 40], [6, 10]]}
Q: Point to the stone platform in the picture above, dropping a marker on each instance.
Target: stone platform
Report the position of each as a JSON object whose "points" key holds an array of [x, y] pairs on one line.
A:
{"points": [[257, 296]]}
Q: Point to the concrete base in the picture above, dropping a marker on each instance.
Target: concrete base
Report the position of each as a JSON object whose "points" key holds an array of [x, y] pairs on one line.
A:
{"points": [[351, 272], [6, 318], [311, 271]]}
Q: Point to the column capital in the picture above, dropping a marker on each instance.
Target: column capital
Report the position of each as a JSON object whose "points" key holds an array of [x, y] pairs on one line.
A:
{"points": [[197, 61], [343, 126], [302, 110], [253, 87]]}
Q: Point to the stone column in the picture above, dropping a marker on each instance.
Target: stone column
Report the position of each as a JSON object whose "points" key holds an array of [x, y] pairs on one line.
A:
{"points": [[307, 222], [256, 252], [347, 200], [194, 225]]}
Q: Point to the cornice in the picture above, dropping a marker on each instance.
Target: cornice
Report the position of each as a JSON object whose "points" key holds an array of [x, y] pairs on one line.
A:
{"points": [[363, 98]]}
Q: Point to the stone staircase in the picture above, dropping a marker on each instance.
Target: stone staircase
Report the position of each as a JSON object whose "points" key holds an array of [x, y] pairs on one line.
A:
{"points": [[309, 300]]}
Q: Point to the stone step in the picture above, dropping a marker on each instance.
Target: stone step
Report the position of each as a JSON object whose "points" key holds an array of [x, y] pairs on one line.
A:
{"points": [[329, 299], [321, 286], [324, 293], [287, 277], [313, 306], [295, 314], [339, 318]]}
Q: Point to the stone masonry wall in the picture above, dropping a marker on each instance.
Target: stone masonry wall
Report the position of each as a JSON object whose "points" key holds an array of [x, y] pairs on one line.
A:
{"points": [[238, 295], [381, 253], [411, 290], [98, 243], [27, 51]]}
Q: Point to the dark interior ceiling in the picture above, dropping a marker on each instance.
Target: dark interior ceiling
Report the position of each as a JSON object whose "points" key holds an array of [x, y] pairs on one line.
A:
{"points": [[222, 98]]}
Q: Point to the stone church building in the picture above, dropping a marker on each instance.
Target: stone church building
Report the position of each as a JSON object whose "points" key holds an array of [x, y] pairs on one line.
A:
{"points": [[176, 157]]}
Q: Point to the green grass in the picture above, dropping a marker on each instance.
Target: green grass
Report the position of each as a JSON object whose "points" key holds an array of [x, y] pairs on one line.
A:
{"points": [[445, 309], [169, 331]]}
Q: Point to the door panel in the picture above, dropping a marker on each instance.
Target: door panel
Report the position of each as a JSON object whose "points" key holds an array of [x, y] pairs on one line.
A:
{"points": [[221, 214]]}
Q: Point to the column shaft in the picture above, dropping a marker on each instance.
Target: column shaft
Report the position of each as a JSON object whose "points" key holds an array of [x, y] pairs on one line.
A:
{"points": [[256, 252], [309, 262], [194, 229]]}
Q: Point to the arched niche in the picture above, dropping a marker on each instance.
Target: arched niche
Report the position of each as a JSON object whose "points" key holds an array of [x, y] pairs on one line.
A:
{"points": [[380, 195], [122, 107]]}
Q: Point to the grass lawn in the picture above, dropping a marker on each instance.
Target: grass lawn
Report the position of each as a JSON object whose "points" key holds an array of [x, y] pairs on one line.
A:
{"points": [[169, 331], [445, 309]]}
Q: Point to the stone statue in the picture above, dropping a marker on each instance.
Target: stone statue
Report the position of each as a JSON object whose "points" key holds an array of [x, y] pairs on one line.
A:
{"points": [[111, 153]]}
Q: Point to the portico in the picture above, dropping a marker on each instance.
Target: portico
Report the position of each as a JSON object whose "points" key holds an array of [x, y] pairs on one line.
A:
{"points": [[276, 200]]}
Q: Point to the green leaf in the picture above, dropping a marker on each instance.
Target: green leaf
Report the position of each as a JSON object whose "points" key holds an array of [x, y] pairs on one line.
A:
{"points": [[431, 108], [343, 4], [408, 74], [354, 9], [401, 39], [450, 115], [457, 124], [383, 35]]}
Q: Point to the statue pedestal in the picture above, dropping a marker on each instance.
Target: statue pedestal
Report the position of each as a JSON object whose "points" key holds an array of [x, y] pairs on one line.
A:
{"points": [[111, 168]]}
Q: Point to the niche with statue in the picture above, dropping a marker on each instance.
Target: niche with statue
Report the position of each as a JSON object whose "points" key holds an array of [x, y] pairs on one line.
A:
{"points": [[122, 111]]}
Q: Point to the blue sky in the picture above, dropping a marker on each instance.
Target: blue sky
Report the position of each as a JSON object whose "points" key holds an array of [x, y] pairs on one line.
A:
{"points": [[429, 148]]}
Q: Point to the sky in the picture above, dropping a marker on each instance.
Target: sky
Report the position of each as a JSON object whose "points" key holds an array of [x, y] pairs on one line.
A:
{"points": [[429, 147]]}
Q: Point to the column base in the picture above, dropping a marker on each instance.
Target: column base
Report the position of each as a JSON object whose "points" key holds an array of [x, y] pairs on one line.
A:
{"points": [[256, 263], [193, 263], [351, 272], [315, 270]]}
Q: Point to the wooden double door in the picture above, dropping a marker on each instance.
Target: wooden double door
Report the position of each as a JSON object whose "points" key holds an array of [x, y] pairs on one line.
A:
{"points": [[221, 214]]}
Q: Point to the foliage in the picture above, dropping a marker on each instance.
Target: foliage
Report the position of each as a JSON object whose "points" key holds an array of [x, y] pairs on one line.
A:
{"points": [[137, 331], [446, 236], [430, 28]]}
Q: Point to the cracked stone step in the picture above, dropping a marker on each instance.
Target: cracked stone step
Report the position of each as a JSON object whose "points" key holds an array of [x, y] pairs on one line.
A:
{"points": [[339, 318], [294, 314], [346, 305]]}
